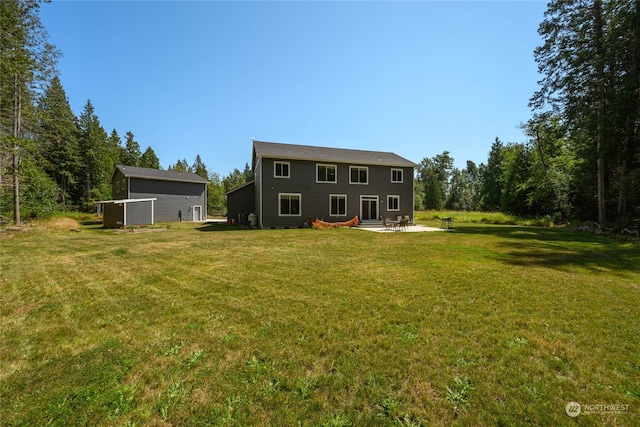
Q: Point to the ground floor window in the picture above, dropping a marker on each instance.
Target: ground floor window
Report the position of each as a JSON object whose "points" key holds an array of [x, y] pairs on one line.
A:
{"points": [[290, 204], [338, 205], [393, 203]]}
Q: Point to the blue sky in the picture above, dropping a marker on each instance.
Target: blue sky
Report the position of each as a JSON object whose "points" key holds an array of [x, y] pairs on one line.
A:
{"points": [[204, 77]]}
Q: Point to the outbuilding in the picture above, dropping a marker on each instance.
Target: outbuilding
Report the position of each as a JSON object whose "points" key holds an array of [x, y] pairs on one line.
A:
{"points": [[144, 196]]}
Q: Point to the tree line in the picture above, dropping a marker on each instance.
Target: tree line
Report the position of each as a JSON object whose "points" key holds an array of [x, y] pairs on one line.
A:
{"points": [[51, 160], [581, 158]]}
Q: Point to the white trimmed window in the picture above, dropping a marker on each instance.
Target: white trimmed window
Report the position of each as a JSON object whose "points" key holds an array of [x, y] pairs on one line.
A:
{"points": [[337, 205], [289, 204], [326, 173], [117, 186], [393, 203], [358, 175], [281, 169], [123, 187], [396, 175]]}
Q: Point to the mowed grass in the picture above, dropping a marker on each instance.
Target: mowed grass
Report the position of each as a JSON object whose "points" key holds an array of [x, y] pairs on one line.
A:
{"points": [[212, 325]]}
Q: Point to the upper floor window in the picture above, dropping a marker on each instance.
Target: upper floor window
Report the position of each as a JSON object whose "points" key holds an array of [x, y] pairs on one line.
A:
{"points": [[117, 186], [326, 173], [358, 175], [396, 175], [281, 169]]}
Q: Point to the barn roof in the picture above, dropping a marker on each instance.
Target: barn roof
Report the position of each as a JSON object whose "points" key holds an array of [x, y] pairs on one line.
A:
{"points": [[327, 154], [160, 175]]}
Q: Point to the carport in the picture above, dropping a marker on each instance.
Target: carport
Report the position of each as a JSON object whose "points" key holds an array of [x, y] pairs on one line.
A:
{"points": [[127, 212]]}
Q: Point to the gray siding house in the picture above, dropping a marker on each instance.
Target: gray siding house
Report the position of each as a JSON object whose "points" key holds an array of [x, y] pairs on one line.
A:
{"points": [[143, 196], [295, 184]]}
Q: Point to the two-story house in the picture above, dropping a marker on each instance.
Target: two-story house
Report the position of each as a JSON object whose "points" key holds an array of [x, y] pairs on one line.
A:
{"points": [[295, 184], [143, 196]]}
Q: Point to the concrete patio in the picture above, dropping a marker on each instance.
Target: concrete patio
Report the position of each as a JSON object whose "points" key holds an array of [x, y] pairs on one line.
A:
{"points": [[407, 229]]}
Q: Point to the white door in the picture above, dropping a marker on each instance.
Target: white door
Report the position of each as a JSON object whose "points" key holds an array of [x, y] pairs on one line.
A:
{"points": [[368, 208], [197, 213]]}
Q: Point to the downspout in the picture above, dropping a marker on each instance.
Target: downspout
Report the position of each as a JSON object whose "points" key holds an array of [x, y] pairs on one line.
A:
{"points": [[413, 195], [124, 214], [152, 212], [261, 208]]}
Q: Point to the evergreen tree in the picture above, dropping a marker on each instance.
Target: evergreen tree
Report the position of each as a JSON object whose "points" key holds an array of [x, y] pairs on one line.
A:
{"points": [[59, 140], [149, 159], [199, 168], [491, 178], [180, 166], [27, 63], [39, 192], [115, 146], [248, 173], [132, 153], [590, 63], [626, 35], [98, 157], [234, 180]]}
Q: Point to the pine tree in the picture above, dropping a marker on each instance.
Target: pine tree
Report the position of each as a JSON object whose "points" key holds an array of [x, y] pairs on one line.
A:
{"points": [[591, 79], [199, 168], [115, 146], [27, 62], [181, 166], [59, 140], [99, 159], [491, 178], [131, 153], [248, 173], [235, 179], [149, 159]]}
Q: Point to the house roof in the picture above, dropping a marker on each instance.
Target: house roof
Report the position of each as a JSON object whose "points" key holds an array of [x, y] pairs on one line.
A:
{"points": [[326, 154], [252, 182], [160, 175], [125, 201]]}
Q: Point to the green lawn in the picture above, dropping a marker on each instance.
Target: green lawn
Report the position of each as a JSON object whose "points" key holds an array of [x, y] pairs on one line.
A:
{"points": [[212, 325]]}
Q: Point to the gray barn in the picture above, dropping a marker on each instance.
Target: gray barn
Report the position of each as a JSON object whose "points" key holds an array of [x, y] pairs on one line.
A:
{"points": [[297, 183], [143, 196]]}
